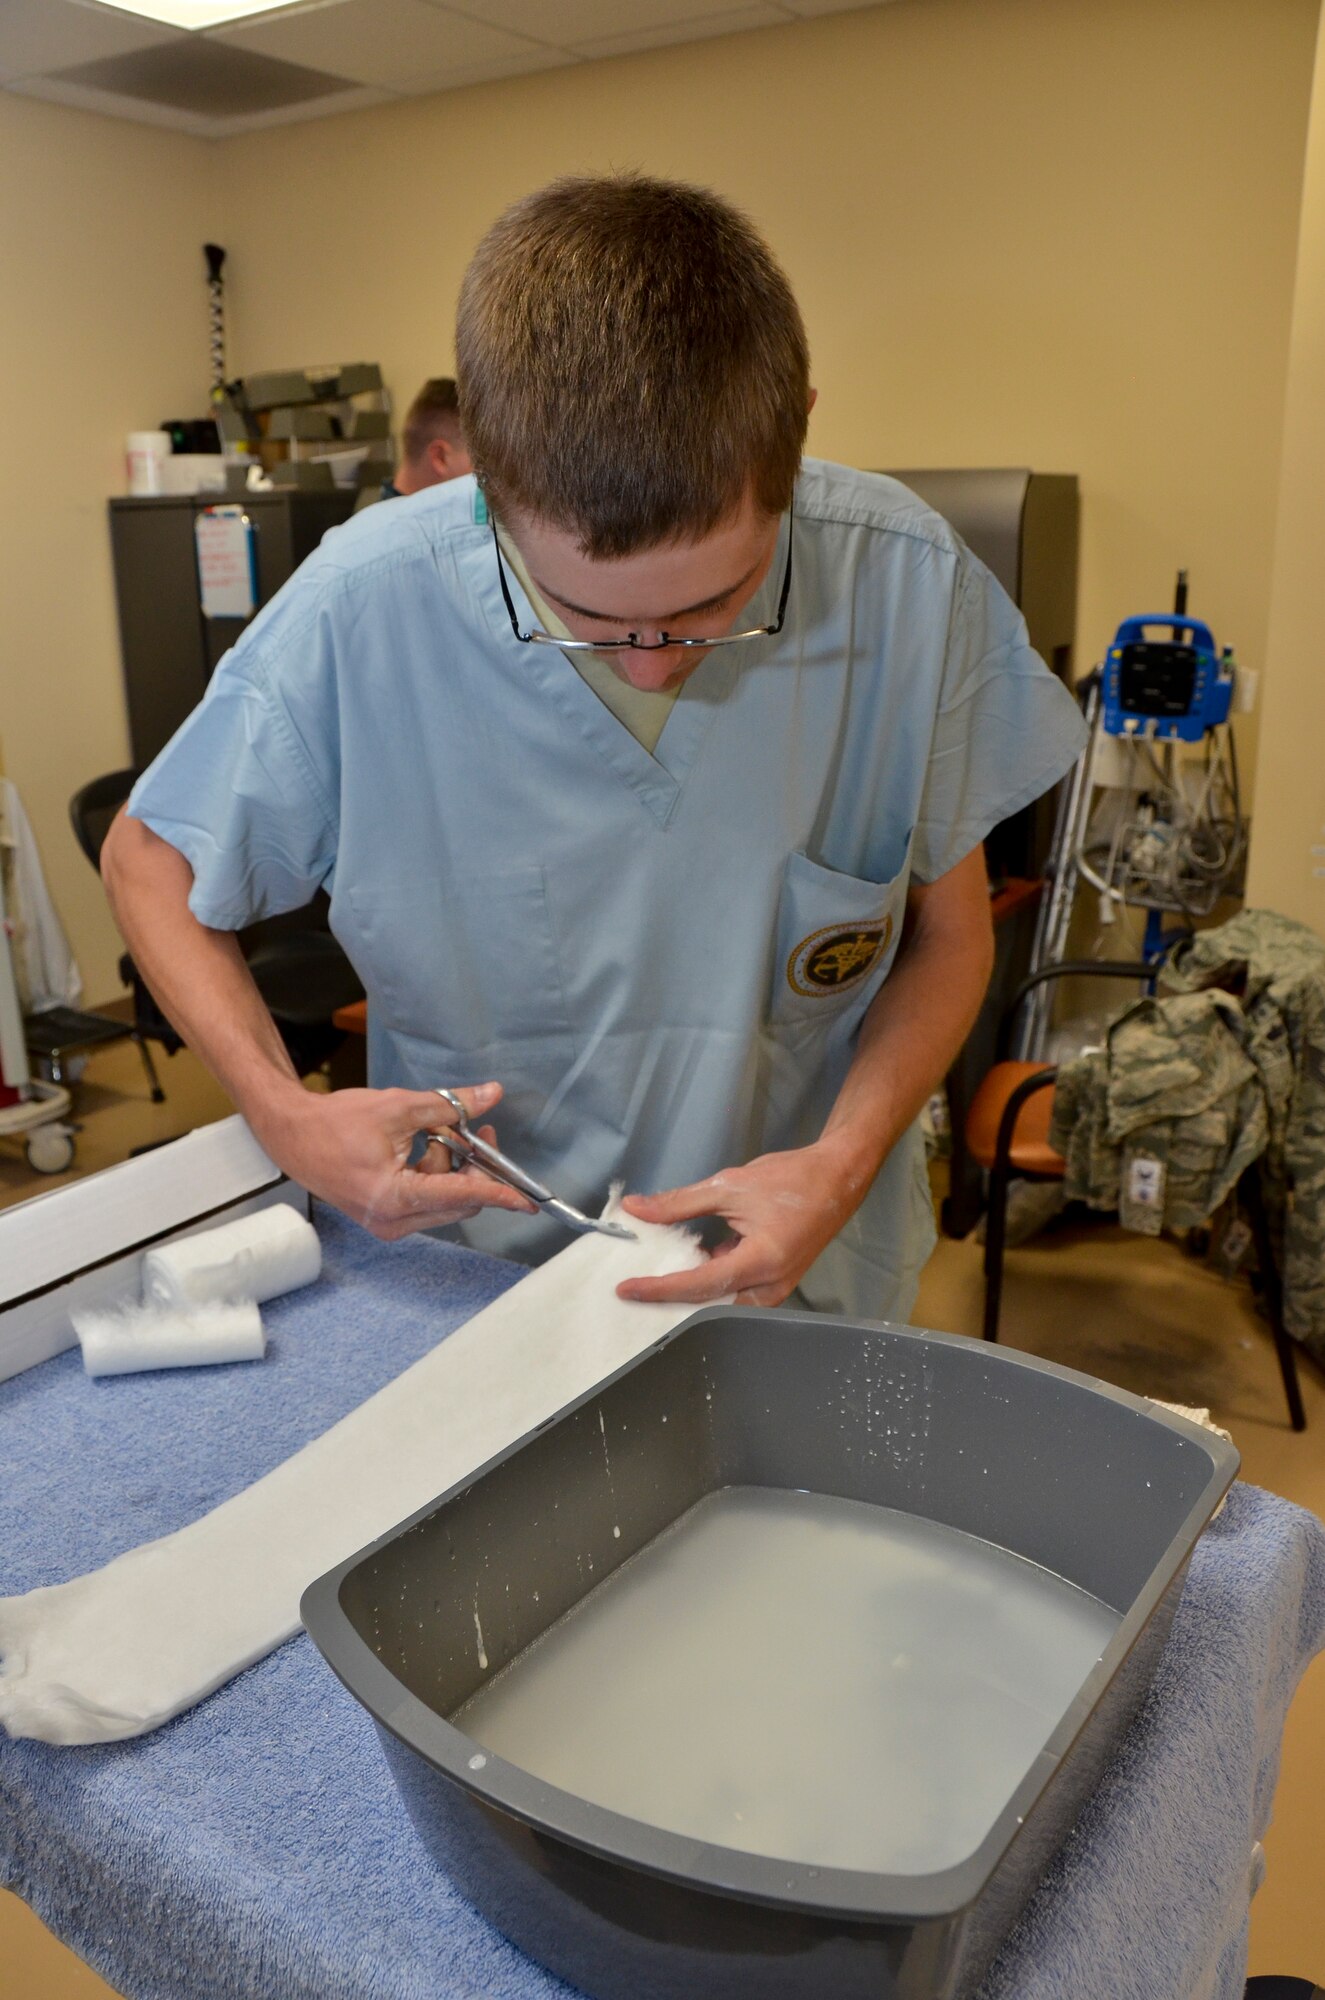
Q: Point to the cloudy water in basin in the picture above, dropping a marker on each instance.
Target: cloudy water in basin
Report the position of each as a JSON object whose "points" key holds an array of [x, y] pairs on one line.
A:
{"points": [[803, 1677]]}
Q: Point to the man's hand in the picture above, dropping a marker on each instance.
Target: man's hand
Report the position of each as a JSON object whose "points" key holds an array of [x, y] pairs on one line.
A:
{"points": [[782, 1210], [352, 1149]]}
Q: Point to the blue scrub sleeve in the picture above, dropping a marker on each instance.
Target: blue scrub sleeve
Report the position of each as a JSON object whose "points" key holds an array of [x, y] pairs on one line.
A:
{"points": [[1006, 728], [237, 791]]}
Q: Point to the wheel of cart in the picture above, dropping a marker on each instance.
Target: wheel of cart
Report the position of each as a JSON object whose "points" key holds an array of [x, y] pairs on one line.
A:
{"points": [[50, 1149], [41, 1120]]}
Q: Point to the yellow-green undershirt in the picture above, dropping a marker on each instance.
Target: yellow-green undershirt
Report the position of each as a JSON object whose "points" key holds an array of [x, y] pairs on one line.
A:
{"points": [[640, 710]]}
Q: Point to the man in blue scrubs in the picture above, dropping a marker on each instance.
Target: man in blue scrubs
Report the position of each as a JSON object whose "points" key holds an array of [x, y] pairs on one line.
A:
{"points": [[647, 774]]}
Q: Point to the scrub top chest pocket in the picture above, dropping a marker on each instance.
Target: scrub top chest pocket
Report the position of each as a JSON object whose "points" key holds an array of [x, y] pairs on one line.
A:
{"points": [[837, 936], [466, 962]]}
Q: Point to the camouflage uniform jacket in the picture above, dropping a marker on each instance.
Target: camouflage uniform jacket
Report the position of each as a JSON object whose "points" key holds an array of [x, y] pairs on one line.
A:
{"points": [[1224, 1066]]}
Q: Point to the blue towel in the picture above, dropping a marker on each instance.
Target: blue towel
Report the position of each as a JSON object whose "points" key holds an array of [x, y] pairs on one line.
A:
{"points": [[255, 1849]]}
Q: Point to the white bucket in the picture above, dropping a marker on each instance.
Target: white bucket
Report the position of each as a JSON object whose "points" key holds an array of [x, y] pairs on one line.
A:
{"points": [[144, 454]]}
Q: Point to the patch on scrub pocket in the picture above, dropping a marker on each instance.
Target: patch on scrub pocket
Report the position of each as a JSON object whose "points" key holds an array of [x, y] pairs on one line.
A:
{"points": [[837, 957]]}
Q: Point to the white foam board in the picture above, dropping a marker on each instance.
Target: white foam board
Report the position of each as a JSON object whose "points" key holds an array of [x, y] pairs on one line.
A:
{"points": [[82, 1245]]}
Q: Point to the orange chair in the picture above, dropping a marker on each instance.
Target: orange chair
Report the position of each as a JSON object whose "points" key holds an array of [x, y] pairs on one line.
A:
{"points": [[1007, 1131]]}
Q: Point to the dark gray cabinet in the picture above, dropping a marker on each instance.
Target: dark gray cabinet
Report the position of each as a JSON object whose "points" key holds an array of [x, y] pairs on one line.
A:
{"points": [[169, 650], [1025, 527]]}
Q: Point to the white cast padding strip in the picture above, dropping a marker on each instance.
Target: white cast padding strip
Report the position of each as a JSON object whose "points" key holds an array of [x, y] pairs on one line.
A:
{"points": [[259, 1257], [125, 1340], [121, 1650]]}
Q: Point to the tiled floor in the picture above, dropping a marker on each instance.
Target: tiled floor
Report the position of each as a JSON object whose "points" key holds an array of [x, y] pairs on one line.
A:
{"points": [[1138, 1313], [112, 1106]]}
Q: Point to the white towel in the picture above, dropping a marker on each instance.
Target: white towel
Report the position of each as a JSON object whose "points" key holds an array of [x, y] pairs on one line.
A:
{"points": [[44, 966], [274, 1250], [128, 1339], [121, 1650]]}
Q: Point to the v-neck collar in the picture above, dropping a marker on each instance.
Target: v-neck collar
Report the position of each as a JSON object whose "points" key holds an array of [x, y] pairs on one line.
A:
{"points": [[656, 777]]}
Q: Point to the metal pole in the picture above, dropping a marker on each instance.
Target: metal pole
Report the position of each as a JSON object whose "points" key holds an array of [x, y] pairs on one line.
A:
{"points": [[1056, 908], [215, 256]]}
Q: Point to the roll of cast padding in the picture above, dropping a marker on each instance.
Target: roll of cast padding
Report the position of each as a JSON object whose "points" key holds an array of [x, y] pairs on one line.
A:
{"points": [[133, 1338], [110, 1654], [274, 1250]]}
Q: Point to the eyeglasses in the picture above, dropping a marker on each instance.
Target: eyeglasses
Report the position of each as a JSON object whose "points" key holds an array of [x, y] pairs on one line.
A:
{"points": [[634, 643]]}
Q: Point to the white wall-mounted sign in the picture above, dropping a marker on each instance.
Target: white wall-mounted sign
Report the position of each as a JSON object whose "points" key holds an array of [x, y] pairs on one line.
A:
{"points": [[227, 562]]}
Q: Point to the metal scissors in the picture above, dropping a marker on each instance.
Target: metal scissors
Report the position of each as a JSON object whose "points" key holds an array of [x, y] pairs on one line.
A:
{"points": [[466, 1147]]}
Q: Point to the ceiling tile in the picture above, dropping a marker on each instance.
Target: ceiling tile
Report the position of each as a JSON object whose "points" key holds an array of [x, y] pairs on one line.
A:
{"points": [[567, 24], [209, 79], [37, 35], [491, 72], [806, 8], [369, 51], [732, 22], [402, 45], [109, 104]]}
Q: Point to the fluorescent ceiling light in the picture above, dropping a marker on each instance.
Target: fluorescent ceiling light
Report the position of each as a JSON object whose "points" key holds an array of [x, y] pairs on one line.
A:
{"points": [[196, 13]]}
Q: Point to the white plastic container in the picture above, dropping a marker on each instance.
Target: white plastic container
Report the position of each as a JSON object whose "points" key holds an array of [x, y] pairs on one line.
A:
{"points": [[145, 453]]}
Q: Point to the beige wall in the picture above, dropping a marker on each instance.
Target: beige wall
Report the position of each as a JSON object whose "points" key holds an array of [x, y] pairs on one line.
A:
{"points": [[1022, 232], [102, 331], [1287, 869]]}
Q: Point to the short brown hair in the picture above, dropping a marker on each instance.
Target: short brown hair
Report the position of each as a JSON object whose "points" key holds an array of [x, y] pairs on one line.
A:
{"points": [[436, 408], [631, 361]]}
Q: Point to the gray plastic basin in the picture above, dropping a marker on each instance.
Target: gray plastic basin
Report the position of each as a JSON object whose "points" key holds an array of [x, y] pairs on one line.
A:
{"points": [[1096, 1486]]}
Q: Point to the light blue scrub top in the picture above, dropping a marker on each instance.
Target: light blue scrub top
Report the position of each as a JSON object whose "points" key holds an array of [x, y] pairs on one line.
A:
{"points": [[664, 959]]}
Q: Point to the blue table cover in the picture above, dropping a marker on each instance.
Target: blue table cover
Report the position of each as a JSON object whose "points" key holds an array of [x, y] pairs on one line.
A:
{"points": [[255, 1849]]}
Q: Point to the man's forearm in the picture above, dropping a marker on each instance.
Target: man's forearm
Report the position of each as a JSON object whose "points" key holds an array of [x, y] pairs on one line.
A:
{"points": [[914, 1028], [354, 1148], [197, 975]]}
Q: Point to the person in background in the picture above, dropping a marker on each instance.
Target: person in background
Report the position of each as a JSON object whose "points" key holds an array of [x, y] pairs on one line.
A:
{"points": [[432, 442]]}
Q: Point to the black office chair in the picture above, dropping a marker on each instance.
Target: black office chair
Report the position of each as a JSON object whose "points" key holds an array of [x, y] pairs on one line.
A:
{"points": [[297, 965], [91, 810], [1007, 1131], [93, 807]]}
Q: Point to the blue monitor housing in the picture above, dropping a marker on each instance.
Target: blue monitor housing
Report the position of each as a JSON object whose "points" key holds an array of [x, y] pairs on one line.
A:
{"points": [[1164, 678]]}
